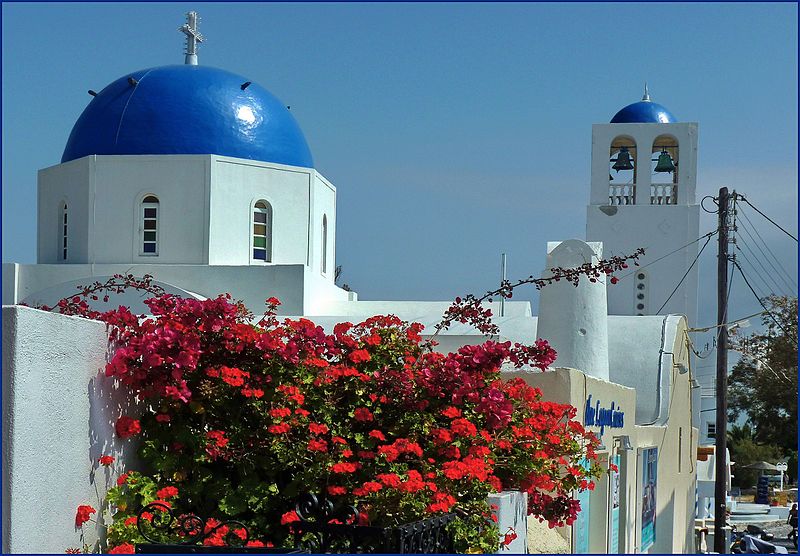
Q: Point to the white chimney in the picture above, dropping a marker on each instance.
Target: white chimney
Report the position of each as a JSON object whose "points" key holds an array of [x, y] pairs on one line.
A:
{"points": [[575, 319]]}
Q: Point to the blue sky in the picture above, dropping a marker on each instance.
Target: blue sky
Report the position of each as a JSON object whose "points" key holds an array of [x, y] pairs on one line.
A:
{"points": [[453, 132]]}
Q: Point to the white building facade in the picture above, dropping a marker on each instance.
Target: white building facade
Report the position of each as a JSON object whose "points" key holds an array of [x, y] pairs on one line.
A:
{"points": [[203, 180]]}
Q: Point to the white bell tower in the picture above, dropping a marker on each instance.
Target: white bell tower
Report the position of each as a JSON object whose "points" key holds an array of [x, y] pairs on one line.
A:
{"points": [[644, 177]]}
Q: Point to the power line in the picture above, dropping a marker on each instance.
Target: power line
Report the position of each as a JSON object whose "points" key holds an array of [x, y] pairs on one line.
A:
{"points": [[768, 218], [793, 284], [763, 280], [709, 234], [778, 324], [775, 286], [686, 273]]}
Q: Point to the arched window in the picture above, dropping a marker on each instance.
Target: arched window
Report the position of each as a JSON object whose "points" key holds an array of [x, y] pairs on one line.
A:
{"points": [[324, 243], [64, 235], [149, 217], [622, 171], [262, 231], [664, 171]]}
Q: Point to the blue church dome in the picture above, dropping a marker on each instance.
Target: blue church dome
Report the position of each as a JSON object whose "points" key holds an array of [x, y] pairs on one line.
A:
{"points": [[644, 112], [187, 109]]}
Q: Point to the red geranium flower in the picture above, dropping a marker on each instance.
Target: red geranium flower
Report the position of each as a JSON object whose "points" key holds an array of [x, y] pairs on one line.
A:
{"points": [[315, 445], [121, 479], [167, 492], [289, 517], [462, 427], [451, 412], [363, 414], [360, 355], [127, 427], [280, 412], [124, 548], [106, 460], [377, 435], [83, 514], [318, 428]]}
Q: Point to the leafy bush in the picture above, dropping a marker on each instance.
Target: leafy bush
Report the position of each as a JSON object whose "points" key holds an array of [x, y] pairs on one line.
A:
{"points": [[242, 418]]}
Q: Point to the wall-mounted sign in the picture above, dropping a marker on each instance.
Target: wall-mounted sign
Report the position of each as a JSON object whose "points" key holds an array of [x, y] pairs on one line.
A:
{"points": [[649, 474], [613, 537], [602, 417]]}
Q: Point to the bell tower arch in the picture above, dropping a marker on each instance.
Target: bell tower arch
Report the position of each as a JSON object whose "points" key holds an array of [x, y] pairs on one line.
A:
{"points": [[643, 194]]}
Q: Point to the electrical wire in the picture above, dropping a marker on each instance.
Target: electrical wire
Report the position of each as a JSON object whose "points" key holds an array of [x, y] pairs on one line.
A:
{"points": [[775, 285], [767, 288], [640, 267], [768, 218], [791, 284], [778, 324], [685, 274], [729, 323]]}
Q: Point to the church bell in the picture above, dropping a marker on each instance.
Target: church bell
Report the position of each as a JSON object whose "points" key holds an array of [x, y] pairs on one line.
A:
{"points": [[623, 160], [665, 163]]}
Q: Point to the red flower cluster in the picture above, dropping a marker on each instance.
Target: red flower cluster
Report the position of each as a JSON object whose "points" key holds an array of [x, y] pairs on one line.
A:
{"points": [[105, 460], [366, 414], [127, 427], [83, 515]]}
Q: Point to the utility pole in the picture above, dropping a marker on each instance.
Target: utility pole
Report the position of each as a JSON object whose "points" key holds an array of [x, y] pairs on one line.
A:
{"points": [[721, 467]]}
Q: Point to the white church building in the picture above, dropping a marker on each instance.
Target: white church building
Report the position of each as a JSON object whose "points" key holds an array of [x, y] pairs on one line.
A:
{"points": [[204, 180]]}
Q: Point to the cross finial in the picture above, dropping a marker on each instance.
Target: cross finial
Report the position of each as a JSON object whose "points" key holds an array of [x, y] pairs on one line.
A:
{"points": [[646, 97], [193, 37]]}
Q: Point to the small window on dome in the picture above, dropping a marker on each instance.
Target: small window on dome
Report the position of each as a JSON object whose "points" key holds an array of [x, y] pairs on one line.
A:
{"points": [[262, 232], [149, 227]]}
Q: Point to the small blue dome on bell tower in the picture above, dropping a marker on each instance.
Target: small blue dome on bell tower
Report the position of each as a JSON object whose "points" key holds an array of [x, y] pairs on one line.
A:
{"points": [[644, 112]]}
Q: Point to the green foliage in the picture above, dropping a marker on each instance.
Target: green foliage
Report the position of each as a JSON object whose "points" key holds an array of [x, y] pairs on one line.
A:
{"points": [[744, 451], [763, 384]]}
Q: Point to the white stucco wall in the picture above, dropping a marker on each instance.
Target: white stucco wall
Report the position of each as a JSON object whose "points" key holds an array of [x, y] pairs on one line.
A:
{"points": [[642, 352], [659, 229], [574, 319], [296, 286], [236, 185], [323, 205], [58, 415], [112, 188], [70, 183], [676, 441], [205, 210], [571, 386], [644, 135]]}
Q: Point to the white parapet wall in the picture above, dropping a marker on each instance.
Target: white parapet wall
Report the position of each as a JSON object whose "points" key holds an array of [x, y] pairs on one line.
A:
{"points": [[58, 415]]}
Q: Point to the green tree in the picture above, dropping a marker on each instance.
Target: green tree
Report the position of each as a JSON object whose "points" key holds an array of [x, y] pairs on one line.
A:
{"points": [[763, 384], [745, 451]]}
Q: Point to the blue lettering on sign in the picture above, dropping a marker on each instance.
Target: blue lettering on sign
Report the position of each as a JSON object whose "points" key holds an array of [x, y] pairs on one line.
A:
{"points": [[603, 417]]}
